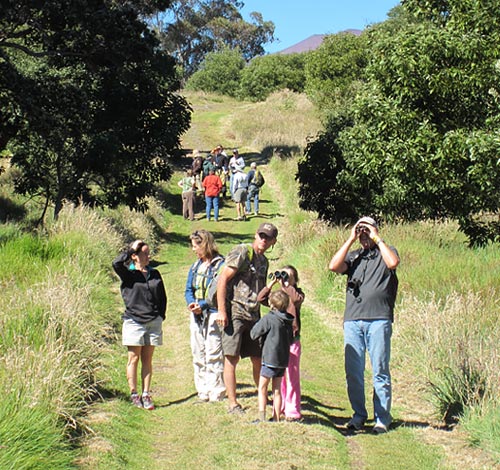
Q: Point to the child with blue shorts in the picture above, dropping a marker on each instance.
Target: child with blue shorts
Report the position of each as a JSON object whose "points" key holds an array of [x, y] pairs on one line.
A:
{"points": [[276, 331]]}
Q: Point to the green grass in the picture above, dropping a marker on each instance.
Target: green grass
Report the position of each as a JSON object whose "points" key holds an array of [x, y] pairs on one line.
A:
{"points": [[59, 329], [31, 438]]}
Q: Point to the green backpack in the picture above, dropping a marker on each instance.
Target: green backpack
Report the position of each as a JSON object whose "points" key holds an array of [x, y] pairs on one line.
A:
{"points": [[211, 292], [258, 179]]}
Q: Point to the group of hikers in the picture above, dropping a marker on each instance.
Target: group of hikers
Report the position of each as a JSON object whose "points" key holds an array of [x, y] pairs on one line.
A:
{"points": [[224, 296], [217, 176]]}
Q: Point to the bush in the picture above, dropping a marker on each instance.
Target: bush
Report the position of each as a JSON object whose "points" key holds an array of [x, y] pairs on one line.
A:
{"points": [[334, 69], [265, 75], [219, 73]]}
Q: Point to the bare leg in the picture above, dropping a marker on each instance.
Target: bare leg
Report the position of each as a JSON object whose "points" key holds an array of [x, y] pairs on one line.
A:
{"points": [[230, 363], [277, 398], [147, 367], [256, 366], [263, 385], [134, 353]]}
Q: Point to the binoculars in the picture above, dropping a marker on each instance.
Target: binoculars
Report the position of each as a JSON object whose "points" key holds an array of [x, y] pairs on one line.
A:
{"points": [[279, 275]]}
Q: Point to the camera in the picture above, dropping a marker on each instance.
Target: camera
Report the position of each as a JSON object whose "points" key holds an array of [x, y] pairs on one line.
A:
{"points": [[283, 275], [354, 284]]}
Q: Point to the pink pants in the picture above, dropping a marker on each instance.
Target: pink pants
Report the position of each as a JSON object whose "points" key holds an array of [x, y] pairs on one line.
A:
{"points": [[290, 385]]}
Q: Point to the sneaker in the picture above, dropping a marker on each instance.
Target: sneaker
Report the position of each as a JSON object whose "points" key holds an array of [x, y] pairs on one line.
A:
{"points": [[379, 428], [147, 402], [291, 419], [355, 424], [136, 400]]}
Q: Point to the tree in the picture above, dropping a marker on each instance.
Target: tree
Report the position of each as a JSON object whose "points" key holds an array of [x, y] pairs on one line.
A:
{"points": [[266, 74], [422, 139], [196, 27], [333, 71], [88, 104], [220, 73]]}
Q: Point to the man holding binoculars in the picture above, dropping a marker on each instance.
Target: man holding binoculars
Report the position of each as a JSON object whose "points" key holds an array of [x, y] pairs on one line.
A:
{"points": [[370, 297]]}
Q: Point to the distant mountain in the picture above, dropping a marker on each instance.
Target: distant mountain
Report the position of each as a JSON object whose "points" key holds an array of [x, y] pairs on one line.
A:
{"points": [[312, 42]]}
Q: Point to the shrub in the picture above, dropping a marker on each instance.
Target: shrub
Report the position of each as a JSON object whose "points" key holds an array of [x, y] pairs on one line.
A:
{"points": [[219, 73], [265, 75]]}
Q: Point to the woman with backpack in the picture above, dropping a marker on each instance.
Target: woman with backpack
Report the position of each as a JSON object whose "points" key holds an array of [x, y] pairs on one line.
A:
{"points": [[206, 343]]}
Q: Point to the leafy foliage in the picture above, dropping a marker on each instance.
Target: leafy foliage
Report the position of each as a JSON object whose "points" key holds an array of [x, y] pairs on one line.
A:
{"points": [[88, 104], [333, 69], [267, 74], [422, 138], [219, 73]]}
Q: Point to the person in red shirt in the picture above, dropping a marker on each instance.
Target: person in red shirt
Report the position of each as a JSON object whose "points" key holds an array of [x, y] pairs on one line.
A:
{"points": [[213, 186]]}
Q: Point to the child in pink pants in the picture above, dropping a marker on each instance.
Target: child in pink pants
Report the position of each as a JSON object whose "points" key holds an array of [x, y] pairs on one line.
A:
{"points": [[288, 278]]}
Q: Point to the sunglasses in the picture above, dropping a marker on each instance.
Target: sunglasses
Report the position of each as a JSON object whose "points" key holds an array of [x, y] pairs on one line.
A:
{"points": [[264, 236]]}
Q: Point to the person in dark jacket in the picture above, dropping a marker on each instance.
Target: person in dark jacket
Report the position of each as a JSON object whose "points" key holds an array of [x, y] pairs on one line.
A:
{"points": [[276, 331], [143, 293]]}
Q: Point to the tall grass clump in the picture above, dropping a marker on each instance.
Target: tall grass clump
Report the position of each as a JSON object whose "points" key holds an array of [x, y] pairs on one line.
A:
{"points": [[455, 343], [132, 225], [483, 425], [56, 324]]}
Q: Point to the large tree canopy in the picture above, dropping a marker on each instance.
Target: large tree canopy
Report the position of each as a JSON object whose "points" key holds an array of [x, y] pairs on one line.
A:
{"points": [[421, 138], [194, 28], [87, 100]]}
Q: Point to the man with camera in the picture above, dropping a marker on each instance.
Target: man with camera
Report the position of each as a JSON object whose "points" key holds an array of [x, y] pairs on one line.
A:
{"points": [[370, 297], [239, 283]]}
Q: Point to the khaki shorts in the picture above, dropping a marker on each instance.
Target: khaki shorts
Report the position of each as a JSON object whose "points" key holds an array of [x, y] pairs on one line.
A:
{"points": [[236, 339], [142, 334], [240, 195]]}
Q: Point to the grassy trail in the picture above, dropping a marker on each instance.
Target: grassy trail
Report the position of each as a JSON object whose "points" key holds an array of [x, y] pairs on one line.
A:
{"points": [[181, 434], [205, 436]]}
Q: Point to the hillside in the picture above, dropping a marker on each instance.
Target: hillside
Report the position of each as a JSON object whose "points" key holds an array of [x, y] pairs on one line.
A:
{"points": [[312, 42], [184, 434], [66, 399]]}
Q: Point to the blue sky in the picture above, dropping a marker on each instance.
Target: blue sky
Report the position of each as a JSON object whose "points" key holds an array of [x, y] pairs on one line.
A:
{"points": [[296, 20]]}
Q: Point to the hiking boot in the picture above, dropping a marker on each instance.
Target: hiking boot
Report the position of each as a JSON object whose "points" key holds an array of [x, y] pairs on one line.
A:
{"points": [[355, 424], [135, 399], [147, 402]]}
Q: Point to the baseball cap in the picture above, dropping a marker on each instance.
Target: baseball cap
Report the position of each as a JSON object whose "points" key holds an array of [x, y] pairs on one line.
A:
{"points": [[268, 229], [367, 220]]}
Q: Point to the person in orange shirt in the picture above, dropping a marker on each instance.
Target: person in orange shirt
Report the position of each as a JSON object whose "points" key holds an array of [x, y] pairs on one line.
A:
{"points": [[213, 186]]}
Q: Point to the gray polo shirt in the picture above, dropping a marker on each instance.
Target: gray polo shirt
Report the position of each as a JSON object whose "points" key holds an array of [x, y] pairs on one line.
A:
{"points": [[371, 286]]}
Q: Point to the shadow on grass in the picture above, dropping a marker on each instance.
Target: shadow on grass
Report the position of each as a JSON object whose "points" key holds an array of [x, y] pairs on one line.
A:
{"points": [[11, 211], [179, 401], [316, 412], [340, 425]]}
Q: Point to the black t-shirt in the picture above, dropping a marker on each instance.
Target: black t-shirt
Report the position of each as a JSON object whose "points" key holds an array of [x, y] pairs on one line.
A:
{"points": [[371, 286]]}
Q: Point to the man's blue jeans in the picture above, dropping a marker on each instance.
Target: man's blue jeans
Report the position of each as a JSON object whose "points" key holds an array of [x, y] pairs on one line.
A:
{"points": [[253, 193], [209, 201], [373, 336]]}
